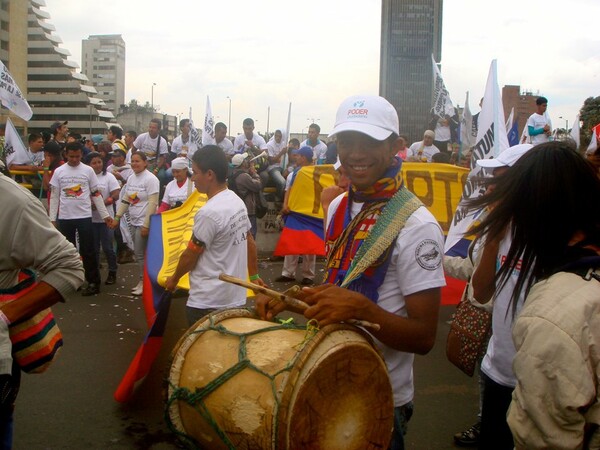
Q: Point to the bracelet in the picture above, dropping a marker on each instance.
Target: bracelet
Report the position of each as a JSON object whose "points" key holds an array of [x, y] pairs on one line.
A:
{"points": [[46, 168], [3, 318], [254, 277], [117, 218]]}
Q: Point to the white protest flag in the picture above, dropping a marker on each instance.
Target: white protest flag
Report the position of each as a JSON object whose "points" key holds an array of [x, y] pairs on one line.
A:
{"points": [[442, 105], [11, 96], [466, 126], [208, 132], [575, 131], [491, 140], [509, 121], [286, 137], [14, 149]]}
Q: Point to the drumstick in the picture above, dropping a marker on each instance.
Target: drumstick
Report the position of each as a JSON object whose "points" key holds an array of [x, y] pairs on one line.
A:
{"points": [[290, 301]]}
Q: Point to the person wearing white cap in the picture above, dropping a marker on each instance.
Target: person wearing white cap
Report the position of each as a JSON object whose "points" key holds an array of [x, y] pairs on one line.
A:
{"points": [[398, 287], [496, 367], [178, 189], [422, 151], [246, 183]]}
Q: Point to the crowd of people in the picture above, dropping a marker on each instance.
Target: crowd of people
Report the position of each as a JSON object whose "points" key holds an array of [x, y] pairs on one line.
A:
{"points": [[536, 258]]}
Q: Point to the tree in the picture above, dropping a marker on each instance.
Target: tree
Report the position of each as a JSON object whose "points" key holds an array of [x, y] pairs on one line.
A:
{"points": [[134, 106], [589, 114]]}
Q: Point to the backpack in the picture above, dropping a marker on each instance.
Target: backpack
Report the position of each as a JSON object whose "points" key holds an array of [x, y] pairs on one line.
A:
{"points": [[261, 206]]}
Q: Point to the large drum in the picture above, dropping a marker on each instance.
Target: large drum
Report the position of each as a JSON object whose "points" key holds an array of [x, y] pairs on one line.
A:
{"points": [[240, 382]]}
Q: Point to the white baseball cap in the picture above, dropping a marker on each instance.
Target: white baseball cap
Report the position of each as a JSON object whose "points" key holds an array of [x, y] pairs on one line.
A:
{"points": [[507, 158], [180, 163], [368, 114], [238, 159]]}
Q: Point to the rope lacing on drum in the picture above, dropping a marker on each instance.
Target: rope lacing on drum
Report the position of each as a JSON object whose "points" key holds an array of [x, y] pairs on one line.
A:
{"points": [[196, 399]]}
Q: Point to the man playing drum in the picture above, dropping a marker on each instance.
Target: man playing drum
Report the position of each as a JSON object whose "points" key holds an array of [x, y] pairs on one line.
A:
{"points": [[221, 241], [397, 287]]}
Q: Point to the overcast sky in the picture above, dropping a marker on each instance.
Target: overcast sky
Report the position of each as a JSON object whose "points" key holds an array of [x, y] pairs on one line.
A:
{"points": [[312, 53]]}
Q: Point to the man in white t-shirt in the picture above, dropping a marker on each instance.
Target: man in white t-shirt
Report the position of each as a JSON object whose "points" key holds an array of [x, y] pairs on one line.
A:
{"points": [[539, 125], [222, 140], [74, 188], [422, 151], [183, 145], [249, 141], [156, 149], [276, 152], [400, 289], [319, 147], [221, 241]]}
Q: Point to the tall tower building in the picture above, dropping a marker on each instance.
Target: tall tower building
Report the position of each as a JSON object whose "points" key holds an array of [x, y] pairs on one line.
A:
{"points": [[411, 31], [103, 62]]}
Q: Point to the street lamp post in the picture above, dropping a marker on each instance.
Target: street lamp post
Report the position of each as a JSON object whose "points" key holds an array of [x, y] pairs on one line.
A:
{"points": [[152, 98], [566, 124], [229, 118]]}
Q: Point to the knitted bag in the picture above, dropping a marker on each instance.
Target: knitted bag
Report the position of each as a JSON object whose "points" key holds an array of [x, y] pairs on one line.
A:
{"points": [[469, 334], [37, 340]]}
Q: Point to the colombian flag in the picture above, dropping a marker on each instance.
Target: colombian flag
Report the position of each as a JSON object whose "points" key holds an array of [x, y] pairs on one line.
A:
{"points": [[169, 234], [303, 232]]}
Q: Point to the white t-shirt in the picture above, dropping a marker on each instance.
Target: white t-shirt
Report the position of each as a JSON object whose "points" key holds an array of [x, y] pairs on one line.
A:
{"points": [[239, 145], [319, 150], [106, 184], [174, 193], [442, 132], [273, 149], [222, 224], [74, 185], [189, 147], [227, 146], [416, 265], [498, 359], [539, 121], [137, 190], [428, 151], [148, 145]]}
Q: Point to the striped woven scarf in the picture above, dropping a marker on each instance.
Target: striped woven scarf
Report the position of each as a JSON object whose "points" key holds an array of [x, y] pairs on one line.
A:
{"points": [[345, 235]]}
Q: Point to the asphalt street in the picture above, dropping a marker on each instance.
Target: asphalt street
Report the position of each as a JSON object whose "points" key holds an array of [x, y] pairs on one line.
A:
{"points": [[71, 406]]}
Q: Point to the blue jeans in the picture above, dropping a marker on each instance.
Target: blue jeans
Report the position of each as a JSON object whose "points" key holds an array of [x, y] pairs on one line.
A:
{"points": [[278, 181], [402, 415], [195, 314], [103, 237]]}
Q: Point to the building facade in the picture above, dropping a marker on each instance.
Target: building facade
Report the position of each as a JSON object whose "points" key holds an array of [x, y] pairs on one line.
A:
{"points": [[411, 31], [103, 62], [50, 82]]}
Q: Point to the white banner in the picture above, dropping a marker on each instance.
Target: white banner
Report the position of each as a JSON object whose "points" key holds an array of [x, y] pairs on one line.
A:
{"points": [[575, 131], [491, 140], [442, 105], [11, 96], [208, 132], [467, 140], [14, 149]]}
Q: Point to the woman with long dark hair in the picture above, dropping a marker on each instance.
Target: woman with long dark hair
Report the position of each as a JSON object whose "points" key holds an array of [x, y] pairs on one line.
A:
{"points": [[140, 199], [548, 205]]}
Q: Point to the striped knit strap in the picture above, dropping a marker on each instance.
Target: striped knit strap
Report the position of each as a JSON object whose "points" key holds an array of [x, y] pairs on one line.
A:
{"points": [[385, 231]]}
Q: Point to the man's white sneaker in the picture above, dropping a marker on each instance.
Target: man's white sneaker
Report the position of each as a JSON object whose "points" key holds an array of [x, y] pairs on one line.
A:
{"points": [[138, 289]]}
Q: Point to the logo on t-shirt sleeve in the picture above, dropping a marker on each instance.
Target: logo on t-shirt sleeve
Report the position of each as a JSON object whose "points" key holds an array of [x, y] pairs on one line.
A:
{"points": [[428, 254]]}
